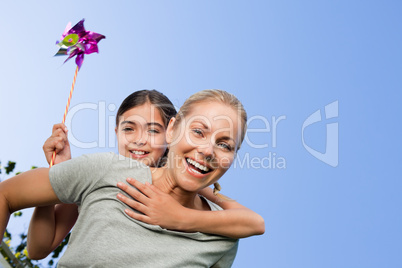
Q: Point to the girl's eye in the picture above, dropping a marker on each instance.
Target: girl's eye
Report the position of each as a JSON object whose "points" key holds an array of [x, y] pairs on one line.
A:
{"points": [[154, 131], [127, 129], [225, 146]]}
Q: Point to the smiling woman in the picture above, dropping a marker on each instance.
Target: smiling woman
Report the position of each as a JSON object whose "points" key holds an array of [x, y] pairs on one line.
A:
{"points": [[202, 143], [204, 138]]}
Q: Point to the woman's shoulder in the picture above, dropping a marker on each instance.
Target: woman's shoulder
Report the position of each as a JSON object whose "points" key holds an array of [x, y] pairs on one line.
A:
{"points": [[129, 167], [97, 156], [111, 157]]}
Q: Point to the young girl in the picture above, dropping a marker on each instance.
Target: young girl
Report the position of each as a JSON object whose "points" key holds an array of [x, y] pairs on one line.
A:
{"points": [[141, 122]]}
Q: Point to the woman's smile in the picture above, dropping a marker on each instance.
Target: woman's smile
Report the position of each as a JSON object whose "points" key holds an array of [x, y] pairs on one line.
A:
{"points": [[196, 168]]}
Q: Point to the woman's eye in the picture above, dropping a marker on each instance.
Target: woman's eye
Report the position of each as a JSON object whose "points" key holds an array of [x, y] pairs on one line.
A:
{"points": [[127, 129], [198, 132], [225, 146]]}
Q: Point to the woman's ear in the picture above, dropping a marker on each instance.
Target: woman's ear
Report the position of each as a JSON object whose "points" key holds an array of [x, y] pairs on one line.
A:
{"points": [[170, 130]]}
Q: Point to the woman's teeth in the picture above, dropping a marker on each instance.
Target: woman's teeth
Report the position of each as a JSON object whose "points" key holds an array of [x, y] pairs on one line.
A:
{"points": [[197, 165]]}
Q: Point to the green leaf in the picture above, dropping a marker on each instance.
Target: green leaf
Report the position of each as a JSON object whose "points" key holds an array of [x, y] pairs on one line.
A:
{"points": [[7, 234], [10, 167], [17, 214], [70, 40]]}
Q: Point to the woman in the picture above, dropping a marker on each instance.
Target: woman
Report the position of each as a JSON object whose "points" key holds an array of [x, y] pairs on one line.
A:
{"points": [[203, 139]]}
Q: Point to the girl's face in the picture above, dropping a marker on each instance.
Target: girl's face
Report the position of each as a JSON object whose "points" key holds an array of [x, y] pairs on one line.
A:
{"points": [[203, 145], [141, 134]]}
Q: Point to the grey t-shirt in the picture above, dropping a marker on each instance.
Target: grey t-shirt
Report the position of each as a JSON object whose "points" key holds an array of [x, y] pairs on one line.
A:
{"points": [[104, 236]]}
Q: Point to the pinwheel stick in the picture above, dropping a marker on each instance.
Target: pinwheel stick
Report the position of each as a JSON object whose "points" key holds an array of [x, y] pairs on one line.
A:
{"points": [[76, 42], [66, 110]]}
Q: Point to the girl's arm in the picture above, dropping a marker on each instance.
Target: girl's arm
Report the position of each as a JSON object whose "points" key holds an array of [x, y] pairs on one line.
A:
{"points": [[235, 220], [161, 209], [50, 224], [48, 227], [28, 189]]}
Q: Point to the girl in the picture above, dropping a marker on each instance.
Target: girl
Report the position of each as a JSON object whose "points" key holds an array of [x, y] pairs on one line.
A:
{"points": [[141, 122]]}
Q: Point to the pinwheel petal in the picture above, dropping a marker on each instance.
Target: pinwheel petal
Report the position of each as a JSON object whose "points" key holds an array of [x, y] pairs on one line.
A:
{"points": [[68, 27], [61, 52], [78, 28], [79, 59], [91, 47], [97, 37]]}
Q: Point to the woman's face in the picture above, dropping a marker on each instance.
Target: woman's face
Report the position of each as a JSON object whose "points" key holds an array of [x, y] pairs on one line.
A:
{"points": [[141, 134], [203, 145]]}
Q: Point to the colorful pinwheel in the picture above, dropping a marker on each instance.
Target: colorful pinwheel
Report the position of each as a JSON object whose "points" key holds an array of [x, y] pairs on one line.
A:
{"points": [[77, 42]]}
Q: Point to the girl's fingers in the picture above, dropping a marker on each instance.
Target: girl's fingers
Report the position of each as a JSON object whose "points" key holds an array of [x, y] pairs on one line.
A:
{"points": [[155, 189], [60, 126], [59, 133], [55, 127], [137, 216], [144, 188], [132, 203], [134, 193], [50, 145], [54, 144], [59, 145]]}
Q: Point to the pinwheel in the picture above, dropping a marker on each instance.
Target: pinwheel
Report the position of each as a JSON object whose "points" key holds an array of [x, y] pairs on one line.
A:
{"points": [[76, 42]]}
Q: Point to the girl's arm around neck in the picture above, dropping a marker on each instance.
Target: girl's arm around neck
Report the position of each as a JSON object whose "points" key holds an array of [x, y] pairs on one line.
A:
{"points": [[158, 208], [28, 189], [236, 220]]}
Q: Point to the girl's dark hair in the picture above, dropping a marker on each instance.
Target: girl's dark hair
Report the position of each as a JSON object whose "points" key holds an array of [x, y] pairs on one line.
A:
{"points": [[156, 98]]}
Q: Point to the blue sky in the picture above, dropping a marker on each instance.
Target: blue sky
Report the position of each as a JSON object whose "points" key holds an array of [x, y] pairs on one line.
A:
{"points": [[285, 60]]}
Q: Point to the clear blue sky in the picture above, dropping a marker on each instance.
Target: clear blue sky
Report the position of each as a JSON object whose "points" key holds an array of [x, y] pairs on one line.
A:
{"points": [[285, 60]]}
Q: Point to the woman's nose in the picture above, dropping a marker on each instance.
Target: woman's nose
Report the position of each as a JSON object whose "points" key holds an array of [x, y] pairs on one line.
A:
{"points": [[207, 151]]}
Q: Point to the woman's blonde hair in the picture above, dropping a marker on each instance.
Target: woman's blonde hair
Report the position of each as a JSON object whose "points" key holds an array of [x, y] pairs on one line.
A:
{"points": [[217, 95]]}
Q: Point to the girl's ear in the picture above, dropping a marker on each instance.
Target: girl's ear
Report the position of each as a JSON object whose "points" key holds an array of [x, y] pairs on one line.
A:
{"points": [[115, 130], [170, 130]]}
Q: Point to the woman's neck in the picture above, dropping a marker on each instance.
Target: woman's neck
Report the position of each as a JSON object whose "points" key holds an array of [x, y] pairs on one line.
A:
{"points": [[162, 179]]}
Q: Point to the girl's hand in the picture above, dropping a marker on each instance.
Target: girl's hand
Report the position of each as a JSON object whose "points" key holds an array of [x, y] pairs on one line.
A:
{"points": [[158, 207], [57, 142]]}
